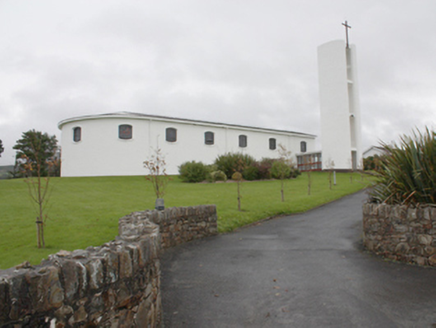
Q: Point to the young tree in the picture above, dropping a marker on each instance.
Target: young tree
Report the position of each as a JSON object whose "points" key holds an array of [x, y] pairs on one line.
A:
{"points": [[35, 151], [308, 163], [158, 177], [237, 176], [330, 165], [281, 169], [1, 148]]}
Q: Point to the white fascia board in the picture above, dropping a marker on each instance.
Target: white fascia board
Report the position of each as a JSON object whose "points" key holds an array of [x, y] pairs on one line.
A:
{"points": [[127, 115]]}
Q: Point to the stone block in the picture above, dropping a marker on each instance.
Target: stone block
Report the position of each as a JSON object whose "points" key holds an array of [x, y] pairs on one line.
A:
{"points": [[400, 228], [96, 304], [20, 302], [80, 315], [64, 313], [45, 288], [71, 281], [382, 211], [432, 211], [83, 278], [95, 273], [412, 214], [111, 266], [126, 297], [402, 248], [125, 262], [417, 250], [4, 301], [421, 260], [425, 239], [429, 250], [432, 260]]}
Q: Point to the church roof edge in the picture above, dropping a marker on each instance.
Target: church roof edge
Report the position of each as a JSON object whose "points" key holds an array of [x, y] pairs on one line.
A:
{"points": [[125, 114]]}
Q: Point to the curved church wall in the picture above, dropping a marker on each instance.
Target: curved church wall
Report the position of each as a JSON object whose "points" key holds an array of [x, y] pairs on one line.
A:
{"points": [[113, 285], [100, 151]]}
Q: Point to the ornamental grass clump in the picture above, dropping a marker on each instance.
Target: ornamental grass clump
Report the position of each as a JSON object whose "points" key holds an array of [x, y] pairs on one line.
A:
{"points": [[407, 174]]}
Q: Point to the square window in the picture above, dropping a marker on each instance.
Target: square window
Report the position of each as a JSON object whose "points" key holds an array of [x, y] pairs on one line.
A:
{"points": [[209, 138], [171, 135], [125, 131], [272, 144], [303, 146], [77, 134], [242, 141]]}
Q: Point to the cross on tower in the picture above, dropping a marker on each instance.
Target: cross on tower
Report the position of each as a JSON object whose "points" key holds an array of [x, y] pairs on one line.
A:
{"points": [[346, 31]]}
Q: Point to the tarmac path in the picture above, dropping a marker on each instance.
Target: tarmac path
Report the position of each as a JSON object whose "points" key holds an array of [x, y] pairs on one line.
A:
{"points": [[306, 270]]}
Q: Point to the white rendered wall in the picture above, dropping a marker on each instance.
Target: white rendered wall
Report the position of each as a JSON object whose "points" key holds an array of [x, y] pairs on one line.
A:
{"points": [[355, 117], [339, 103], [101, 153]]}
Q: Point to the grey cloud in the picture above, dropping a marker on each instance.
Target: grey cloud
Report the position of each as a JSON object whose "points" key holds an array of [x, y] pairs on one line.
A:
{"points": [[212, 60]]}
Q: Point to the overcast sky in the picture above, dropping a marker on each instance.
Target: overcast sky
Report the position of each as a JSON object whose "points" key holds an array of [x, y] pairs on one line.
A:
{"points": [[241, 62]]}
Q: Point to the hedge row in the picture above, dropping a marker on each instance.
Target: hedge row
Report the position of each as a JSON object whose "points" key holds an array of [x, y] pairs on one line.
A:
{"points": [[226, 165]]}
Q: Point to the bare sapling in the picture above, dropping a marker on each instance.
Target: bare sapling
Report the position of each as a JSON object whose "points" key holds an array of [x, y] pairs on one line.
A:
{"points": [[237, 176], [281, 169], [39, 190], [158, 177], [330, 165], [308, 164]]}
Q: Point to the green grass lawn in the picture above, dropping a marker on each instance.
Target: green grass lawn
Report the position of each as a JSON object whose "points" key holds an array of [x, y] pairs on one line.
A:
{"points": [[85, 211]]}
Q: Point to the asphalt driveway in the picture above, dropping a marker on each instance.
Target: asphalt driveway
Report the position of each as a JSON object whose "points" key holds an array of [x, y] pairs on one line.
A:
{"points": [[305, 270]]}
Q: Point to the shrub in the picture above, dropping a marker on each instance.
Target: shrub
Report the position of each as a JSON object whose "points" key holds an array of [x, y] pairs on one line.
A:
{"points": [[230, 161], [237, 176], [372, 163], [280, 170], [193, 171], [264, 167], [295, 172], [407, 172], [251, 173], [217, 176]]}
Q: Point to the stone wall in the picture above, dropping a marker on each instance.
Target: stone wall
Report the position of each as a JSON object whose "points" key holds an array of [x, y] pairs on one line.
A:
{"points": [[113, 285], [177, 225], [401, 233]]}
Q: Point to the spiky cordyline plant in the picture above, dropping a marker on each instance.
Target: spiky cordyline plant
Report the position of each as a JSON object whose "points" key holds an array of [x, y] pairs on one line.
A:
{"points": [[407, 173]]}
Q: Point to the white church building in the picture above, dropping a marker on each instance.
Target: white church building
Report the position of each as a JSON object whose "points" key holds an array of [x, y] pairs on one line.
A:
{"points": [[118, 143]]}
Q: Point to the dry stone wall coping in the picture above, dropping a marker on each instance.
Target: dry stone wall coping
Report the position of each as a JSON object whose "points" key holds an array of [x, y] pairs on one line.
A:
{"points": [[114, 285]]}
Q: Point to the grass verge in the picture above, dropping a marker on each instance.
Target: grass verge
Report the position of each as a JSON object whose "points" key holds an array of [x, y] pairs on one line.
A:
{"points": [[85, 211]]}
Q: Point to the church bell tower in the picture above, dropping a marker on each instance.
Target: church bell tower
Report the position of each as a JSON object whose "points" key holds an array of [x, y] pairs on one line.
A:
{"points": [[339, 104]]}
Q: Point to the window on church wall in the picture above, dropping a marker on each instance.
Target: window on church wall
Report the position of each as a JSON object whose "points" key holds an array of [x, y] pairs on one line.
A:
{"points": [[209, 138], [125, 131], [171, 135], [77, 134], [242, 141], [272, 144], [303, 146]]}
